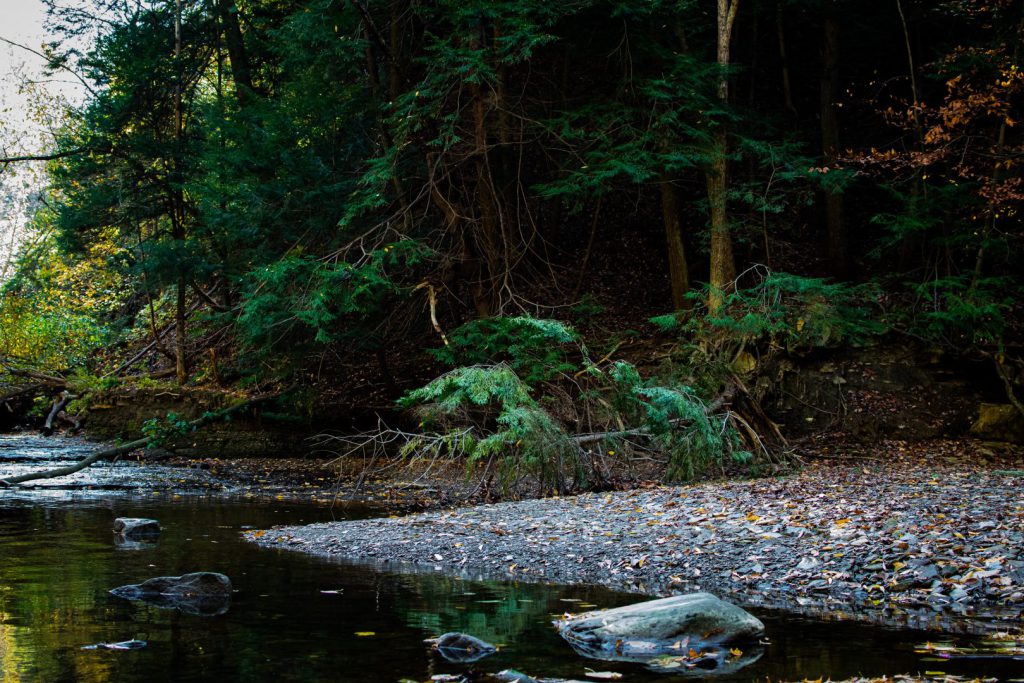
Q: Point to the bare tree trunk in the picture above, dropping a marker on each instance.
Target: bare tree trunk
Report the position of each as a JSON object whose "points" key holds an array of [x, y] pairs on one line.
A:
{"points": [[177, 205], [723, 269], [837, 238], [240, 67], [487, 233], [678, 269], [787, 90], [181, 361]]}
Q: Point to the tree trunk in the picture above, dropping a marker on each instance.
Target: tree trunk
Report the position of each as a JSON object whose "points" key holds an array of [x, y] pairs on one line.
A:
{"points": [[678, 270], [487, 229], [177, 204], [787, 90], [240, 69], [837, 239], [723, 269], [181, 361]]}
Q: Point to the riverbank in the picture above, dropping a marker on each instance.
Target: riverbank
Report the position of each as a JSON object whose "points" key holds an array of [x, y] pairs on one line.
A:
{"points": [[928, 536]]}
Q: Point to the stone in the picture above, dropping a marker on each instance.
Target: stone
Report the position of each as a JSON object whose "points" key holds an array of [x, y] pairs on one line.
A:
{"points": [[663, 633], [199, 593], [461, 648], [513, 676], [699, 616], [998, 422], [123, 645], [136, 528]]}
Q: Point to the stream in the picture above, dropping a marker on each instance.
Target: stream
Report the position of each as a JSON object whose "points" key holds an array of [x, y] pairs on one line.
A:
{"points": [[299, 618]]}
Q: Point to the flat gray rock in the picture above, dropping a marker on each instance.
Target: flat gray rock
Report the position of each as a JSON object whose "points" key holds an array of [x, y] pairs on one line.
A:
{"points": [[685, 634], [701, 617]]}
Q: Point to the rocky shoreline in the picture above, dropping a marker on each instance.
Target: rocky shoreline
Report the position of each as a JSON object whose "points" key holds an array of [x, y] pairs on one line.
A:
{"points": [[925, 536]]}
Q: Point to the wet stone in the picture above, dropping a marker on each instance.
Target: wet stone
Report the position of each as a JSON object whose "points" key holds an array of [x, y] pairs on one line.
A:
{"points": [[199, 593], [461, 648], [136, 528]]}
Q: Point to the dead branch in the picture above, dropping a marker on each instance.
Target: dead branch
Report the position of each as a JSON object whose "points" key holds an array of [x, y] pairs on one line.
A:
{"points": [[432, 298], [22, 391], [45, 157], [59, 404]]}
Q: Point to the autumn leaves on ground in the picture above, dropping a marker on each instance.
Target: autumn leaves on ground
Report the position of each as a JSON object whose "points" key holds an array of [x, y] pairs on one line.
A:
{"points": [[925, 536]]}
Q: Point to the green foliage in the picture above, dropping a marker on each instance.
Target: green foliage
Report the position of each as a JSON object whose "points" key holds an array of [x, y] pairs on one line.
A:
{"points": [[536, 350], [159, 432], [55, 312], [81, 381], [300, 300], [961, 313], [521, 436], [784, 311], [488, 413], [678, 422]]}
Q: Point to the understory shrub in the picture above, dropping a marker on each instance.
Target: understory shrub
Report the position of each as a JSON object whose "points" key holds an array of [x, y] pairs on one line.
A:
{"points": [[503, 410]]}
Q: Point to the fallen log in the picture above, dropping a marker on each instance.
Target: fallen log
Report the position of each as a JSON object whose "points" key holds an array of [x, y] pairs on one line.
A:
{"points": [[110, 453], [59, 404]]}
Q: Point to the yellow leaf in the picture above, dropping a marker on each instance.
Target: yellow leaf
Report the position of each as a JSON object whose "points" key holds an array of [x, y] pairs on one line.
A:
{"points": [[363, 634], [843, 522], [736, 652], [751, 517]]}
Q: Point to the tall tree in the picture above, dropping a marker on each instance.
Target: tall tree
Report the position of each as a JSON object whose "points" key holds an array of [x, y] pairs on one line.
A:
{"points": [[829, 114], [723, 267]]}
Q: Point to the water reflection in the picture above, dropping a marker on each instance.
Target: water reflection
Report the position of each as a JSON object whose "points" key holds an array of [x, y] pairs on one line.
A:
{"points": [[295, 618]]}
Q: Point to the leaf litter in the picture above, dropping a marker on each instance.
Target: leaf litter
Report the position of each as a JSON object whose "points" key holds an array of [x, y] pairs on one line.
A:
{"points": [[931, 536]]}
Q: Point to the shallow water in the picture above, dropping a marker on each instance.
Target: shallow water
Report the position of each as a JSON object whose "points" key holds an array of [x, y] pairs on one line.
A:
{"points": [[58, 559]]}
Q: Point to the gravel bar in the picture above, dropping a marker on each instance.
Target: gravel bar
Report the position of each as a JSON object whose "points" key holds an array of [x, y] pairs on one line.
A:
{"points": [[930, 537]]}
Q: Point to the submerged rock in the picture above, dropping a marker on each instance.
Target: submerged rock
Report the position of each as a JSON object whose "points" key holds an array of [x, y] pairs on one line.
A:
{"points": [[199, 593], [136, 528], [683, 633], [461, 648]]}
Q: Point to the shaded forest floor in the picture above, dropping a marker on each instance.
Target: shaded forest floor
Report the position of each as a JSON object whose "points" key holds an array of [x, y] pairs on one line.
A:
{"points": [[928, 535]]}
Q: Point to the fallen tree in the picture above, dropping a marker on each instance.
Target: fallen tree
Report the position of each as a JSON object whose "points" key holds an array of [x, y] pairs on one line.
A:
{"points": [[145, 441], [484, 418]]}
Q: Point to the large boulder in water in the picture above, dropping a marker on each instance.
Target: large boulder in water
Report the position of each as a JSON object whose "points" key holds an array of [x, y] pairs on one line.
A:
{"points": [[136, 528], [696, 631], [200, 593]]}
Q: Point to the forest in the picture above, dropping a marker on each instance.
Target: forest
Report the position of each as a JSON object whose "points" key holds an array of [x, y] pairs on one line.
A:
{"points": [[524, 234]]}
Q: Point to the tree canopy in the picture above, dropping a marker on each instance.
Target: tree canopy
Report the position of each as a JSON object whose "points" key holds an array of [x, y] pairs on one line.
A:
{"points": [[262, 189]]}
